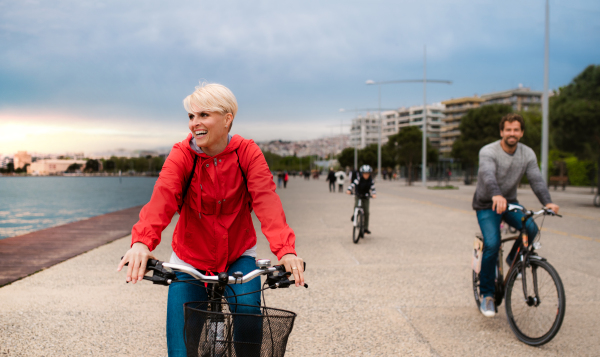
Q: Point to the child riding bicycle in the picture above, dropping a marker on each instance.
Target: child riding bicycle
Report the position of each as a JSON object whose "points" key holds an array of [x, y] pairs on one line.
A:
{"points": [[364, 189]]}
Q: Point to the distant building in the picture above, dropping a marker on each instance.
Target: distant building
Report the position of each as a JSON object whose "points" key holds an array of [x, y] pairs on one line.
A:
{"points": [[455, 110], [520, 99], [322, 147], [52, 166], [21, 159], [365, 129]]}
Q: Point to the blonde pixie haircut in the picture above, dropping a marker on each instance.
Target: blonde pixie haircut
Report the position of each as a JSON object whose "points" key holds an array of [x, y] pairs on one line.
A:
{"points": [[211, 97]]}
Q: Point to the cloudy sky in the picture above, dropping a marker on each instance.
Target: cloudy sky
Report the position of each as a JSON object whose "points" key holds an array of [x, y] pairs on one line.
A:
{"points": [[96, 76]]}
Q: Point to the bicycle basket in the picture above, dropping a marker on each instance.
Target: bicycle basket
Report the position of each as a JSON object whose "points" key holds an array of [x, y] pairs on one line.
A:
{"points": [[259, 331]]}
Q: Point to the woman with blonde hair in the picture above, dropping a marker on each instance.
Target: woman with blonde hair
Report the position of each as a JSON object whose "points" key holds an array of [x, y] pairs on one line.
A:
{"points": [[228, 178]]}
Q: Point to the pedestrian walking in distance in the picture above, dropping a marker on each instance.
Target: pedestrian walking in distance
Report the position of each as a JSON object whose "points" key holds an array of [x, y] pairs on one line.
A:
{"points": [[286, 177], [340, 178], [331, 179]]}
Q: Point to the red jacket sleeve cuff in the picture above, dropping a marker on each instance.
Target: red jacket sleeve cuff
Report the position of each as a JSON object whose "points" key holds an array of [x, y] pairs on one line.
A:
{"points": [[285, 250]]}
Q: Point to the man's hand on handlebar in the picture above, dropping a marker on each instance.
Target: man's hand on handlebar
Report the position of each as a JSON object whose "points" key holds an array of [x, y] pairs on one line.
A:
{"points": [[499, 204], [295, 265], [553, 207], [348, 192], [137, 257]]}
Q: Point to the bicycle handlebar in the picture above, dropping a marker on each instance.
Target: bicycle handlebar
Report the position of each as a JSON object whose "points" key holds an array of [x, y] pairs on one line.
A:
{"points": [[164, 274], [544, 210]]}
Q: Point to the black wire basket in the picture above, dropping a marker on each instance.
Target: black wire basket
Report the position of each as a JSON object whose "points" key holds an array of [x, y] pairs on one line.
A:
{"points": [[264, 332]]}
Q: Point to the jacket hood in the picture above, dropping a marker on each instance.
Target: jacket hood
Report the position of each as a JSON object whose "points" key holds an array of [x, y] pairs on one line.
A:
{"points": [[233, 145]]}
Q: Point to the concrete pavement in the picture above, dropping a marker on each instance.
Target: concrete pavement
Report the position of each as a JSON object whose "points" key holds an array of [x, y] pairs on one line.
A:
{"points": [[404, 290]]}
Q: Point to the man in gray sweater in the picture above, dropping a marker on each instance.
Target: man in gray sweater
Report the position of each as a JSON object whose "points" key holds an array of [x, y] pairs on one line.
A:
{"points": [[502, 165]]}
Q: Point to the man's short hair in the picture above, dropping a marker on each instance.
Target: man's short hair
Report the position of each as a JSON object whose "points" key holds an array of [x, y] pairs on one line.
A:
{"points": [[510, 118]]}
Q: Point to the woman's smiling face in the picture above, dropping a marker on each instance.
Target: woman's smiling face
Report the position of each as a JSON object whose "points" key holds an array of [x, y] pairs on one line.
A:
{"points": [[209, 128]]}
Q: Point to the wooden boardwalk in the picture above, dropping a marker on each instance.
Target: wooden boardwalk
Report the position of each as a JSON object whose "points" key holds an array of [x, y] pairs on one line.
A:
{"points": [[24, 255]]}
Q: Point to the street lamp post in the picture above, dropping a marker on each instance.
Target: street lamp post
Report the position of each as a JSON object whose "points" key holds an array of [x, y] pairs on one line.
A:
{"points": [[424, 81], [545, 99]]}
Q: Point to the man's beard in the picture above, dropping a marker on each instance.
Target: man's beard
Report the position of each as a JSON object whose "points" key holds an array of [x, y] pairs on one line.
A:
{"points": [[508, 144]]}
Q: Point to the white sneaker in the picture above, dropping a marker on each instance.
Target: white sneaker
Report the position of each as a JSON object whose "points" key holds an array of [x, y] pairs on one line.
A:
{"points": [[488, 307]]}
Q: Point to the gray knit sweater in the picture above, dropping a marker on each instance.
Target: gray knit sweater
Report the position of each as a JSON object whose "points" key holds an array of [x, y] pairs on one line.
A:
{"points": [[500, 174]]}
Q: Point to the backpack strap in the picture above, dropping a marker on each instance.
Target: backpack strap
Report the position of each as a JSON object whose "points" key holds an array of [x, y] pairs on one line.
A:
{"points": [[189, 182], [245, 179]]}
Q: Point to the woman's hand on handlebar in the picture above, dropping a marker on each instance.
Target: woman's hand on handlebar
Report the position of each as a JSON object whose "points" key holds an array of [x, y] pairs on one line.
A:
{"points": [[295, 265], [137, 257]]}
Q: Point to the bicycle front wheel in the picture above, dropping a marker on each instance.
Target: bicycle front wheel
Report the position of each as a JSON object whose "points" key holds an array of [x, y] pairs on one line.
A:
{"points": [[536, 316], [357, 230]]}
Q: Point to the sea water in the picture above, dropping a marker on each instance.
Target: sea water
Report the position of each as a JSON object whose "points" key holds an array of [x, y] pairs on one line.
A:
{"points": [[29, 204]]}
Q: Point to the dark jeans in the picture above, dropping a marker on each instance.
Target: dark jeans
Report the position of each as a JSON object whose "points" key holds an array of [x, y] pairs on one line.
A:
{"points": [[180, 293], [365, 207], [331, 186], [489, 222]]}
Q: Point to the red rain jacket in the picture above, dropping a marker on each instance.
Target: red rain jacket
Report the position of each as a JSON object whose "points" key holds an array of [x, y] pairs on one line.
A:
{"points": [[215, 227]]}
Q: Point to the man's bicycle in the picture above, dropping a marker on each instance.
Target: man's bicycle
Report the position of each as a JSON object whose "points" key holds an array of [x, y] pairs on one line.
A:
{"points": [[533, 291], [214, 329], [358, 229]]}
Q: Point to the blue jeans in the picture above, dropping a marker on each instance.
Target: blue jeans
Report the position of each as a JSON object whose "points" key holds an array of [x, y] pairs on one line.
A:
{"points": [[180, 293], [489, 222]]}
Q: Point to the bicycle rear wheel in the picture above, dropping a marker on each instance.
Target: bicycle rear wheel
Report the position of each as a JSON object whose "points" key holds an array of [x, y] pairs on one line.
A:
{"points": [[357, 230], [537, 319]]}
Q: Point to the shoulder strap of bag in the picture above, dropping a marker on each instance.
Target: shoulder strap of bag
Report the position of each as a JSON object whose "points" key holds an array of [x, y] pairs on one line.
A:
{"points": [[189, 182], [245, 179]]}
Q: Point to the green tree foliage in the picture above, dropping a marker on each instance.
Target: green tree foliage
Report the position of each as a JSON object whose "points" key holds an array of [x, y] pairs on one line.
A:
{"points": [[532, 136], [406, 147], [288, 163], [73, 167], [135, 164], [346, 158], [479, 127], [575, 116], [22, 170], [92, 166], [368, 156], [109, 165]]}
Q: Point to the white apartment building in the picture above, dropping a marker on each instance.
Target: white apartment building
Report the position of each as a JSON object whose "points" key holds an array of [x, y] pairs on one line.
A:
{"points": [[365, 129]]}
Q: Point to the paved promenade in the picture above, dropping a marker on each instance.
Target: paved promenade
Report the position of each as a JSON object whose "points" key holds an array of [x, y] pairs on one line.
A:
{"points": [[404, 290], [24, 255]]}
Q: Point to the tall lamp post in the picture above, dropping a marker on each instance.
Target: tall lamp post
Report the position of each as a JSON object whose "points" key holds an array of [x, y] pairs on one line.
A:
{"points": [[424, 146], [545, 98]]}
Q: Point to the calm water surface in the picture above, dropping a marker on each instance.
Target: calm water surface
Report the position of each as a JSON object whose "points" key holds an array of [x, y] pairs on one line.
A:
{"points": [[29, 204]]}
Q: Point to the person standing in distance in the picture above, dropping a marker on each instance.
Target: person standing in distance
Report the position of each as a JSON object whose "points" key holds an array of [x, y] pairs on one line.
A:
{"points": [[331, 179], [228, 179], [502, 165]]}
